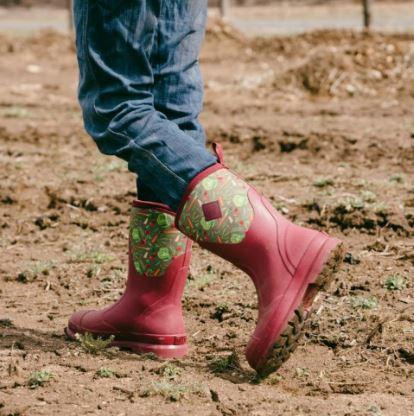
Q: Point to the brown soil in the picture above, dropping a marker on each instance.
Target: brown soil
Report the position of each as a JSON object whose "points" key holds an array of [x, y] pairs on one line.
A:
{"points": [[322, 123]]}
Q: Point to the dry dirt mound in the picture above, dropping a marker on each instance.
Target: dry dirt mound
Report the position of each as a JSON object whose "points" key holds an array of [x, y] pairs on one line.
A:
{"points": [[218, 29], [337, 63]]}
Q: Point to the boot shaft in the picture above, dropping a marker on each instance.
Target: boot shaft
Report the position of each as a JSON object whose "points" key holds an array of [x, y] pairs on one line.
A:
{"points": [[231, 219], [148, 317], [159, 255], [154, 241]]}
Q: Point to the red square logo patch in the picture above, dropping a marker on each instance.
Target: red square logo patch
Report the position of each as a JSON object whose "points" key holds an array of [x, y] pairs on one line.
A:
{"points": [[212, 211]]}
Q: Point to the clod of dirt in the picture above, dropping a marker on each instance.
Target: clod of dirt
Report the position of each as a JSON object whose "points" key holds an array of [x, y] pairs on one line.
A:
{"points": [[214, 396], [46, 221], [355, 213], [350, 259], [292, 143], [258, 143], [8, 200], [406, 355], [221, 312]]}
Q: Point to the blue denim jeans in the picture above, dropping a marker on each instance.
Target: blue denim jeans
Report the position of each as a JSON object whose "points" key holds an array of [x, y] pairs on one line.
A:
{"points": [[141, 90]]}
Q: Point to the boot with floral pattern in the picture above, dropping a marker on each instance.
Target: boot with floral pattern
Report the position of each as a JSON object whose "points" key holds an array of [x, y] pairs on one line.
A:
{"points": [[148, 317], [287, 263]]}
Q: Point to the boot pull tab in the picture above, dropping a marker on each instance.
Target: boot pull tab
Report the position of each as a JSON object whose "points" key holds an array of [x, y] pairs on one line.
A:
{"points": [[218, 150]]}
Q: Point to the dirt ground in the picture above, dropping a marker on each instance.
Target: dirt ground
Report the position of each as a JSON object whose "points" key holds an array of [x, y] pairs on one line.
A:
{"points": [[322, 124]]}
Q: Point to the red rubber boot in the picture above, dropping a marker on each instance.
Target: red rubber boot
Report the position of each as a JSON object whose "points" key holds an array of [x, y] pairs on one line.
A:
{"points": [[148, 317], [287, 263]]}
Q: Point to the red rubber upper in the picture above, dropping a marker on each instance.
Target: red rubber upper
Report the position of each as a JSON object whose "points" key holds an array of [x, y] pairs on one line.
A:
{"points": [[281, 258], [149, 310]]}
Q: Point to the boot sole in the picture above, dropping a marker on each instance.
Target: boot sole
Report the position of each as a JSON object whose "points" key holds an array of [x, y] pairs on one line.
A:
{"points": [[289, 339], [161, 351]]}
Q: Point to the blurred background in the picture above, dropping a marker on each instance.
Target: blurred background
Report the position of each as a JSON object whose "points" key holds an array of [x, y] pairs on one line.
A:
{"points": [[255, 17]]}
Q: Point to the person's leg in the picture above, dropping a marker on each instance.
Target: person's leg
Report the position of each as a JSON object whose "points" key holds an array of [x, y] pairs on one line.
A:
{"points": [[179, 89], [117, 50], [148, 317], [178, 86]]}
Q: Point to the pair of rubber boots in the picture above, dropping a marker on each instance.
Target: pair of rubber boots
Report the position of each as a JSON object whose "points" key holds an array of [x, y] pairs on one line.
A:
{"points": [[287, 263]]}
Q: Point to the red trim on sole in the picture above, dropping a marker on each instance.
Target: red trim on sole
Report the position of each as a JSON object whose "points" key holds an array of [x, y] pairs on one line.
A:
{"points": [[178, 350]]}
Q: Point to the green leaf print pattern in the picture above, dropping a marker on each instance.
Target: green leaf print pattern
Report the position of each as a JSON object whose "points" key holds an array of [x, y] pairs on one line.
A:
{"points": [[155, 241], [237, 212]]}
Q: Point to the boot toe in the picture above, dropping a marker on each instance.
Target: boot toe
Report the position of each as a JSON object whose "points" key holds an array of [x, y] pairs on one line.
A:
{"points": [[75, 322]]}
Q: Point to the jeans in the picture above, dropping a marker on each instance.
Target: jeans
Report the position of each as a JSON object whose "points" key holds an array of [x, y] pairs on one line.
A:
{"points": [[141, 90]]}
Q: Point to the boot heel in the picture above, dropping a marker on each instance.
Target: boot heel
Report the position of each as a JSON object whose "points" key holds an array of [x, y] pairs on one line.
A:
{"points": [[325, 278], [331, 267]]}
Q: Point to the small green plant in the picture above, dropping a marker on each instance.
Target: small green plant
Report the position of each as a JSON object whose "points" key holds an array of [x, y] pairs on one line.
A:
{"points": [[382, 209], [15, 112], [99, 257], [350, 204], [170, 391], [397, 178], [301, 372], [356, 203], [395, 282], [105, 372], [34, 271], [274, 379], [361, 302], [225, 364], [323, 182], [271, 380], [202, 281], [374, 410], [96, 257], [107, 283], [93, 345], [169, 371], [100, 171], [368, 196], [39, 379], [6, 323]]}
